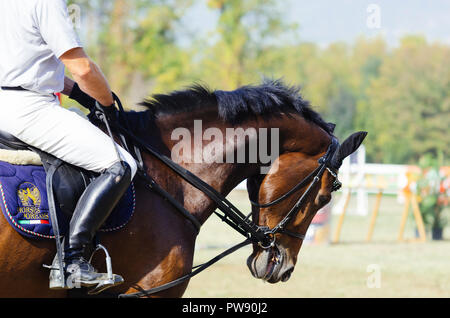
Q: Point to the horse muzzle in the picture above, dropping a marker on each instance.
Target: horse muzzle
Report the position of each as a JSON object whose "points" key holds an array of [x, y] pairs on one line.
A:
{"points": [[271, 265]]}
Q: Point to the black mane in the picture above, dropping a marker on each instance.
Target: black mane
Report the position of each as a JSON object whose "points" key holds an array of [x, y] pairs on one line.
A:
{"points": [[271, 98]]}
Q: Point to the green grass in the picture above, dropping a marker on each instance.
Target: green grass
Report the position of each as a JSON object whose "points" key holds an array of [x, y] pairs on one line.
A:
{"points": [[331, 270]]}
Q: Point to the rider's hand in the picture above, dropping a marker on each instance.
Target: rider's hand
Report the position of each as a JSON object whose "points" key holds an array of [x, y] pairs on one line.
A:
{"points": [[82, 98], [110, 112]]}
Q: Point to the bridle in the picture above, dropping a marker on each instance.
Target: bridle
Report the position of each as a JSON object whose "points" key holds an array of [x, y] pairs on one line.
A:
{"points": [[316, 175], [261, 235]]}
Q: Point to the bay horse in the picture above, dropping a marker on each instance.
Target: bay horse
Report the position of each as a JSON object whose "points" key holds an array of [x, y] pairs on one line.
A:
{"points": [[157, 245]]}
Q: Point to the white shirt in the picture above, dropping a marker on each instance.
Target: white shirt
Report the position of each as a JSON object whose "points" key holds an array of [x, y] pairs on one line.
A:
{"points": [[33, 35]]}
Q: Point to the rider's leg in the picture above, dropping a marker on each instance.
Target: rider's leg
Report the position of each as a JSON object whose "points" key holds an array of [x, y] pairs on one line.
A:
{"points": [[41, 122], [93, 208]]}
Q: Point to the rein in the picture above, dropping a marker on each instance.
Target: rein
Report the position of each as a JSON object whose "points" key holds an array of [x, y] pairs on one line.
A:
{"points": [[261, 235]]}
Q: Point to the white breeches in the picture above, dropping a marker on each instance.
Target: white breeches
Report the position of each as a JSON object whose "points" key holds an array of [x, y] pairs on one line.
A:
{"points": [[41, 122]]}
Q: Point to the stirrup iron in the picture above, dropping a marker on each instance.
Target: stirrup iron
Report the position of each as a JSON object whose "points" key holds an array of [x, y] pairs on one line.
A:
{"points": [[111, 279], [103, 282]]}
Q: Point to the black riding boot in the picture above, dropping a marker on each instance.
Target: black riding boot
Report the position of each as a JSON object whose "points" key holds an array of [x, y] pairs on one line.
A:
{"points": [[92, 210]]}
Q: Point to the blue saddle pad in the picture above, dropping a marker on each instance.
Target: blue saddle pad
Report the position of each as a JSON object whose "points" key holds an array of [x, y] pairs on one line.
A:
{"points": [[25, 205]]}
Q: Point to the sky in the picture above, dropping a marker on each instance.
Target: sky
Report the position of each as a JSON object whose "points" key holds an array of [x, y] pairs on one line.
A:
{"points": [[327, 21]]}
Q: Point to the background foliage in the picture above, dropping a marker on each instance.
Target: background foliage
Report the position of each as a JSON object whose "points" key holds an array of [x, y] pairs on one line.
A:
{"points": [[400, 95]]}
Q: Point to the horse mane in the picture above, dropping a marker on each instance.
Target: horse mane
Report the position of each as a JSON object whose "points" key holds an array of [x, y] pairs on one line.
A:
{"points": [[271, 98]]}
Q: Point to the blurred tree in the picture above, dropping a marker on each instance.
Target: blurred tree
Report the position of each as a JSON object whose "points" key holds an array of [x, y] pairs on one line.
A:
{"points": [[410, 104], [245, 31], [400, 95], [332, 84], [135, 43]]}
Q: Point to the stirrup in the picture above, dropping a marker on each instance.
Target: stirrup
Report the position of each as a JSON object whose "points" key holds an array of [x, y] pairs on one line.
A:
{"points": [[101, 283], [107, 280]]}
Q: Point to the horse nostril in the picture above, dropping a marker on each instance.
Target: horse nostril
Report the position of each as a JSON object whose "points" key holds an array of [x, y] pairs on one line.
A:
{"points": [[323, 199], [286, 275]]}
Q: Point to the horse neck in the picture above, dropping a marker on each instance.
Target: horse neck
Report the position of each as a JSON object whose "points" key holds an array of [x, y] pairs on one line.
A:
{"points": [[224, 175]]}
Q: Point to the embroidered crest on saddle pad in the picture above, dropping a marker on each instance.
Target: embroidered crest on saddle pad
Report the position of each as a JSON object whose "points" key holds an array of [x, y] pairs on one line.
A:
{"points": [[23, 200]]}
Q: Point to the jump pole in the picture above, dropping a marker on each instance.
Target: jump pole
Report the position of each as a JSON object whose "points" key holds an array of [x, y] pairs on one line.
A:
{"points": [[418, 218], [337, 234], [375, 211], [404, 216], [411, 199]]}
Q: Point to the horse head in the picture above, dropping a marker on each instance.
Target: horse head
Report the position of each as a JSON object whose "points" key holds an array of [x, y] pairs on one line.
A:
{"points": [[276, 262]]}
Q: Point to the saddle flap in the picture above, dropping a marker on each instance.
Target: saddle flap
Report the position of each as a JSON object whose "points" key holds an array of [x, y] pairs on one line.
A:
{"points": [[24, 202]]}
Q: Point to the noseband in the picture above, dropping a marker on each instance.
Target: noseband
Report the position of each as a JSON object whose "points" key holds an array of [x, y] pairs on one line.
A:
{"points": [[316, 175]]}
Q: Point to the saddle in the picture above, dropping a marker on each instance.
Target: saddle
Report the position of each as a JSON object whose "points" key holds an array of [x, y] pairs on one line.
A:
{"points": [[22, 174], [68, 181], [64, 184]]}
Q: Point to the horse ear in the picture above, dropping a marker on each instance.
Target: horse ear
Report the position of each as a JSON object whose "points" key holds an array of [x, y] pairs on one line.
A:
{"points": [[332, 126], [348, 147]]}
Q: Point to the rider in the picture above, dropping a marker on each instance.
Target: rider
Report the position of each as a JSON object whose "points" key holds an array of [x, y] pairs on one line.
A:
{"points": [[37, 43]]}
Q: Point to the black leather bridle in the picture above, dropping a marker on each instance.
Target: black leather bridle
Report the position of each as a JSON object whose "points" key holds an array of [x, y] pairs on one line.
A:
{"points": [[261, 235], [316, 175]]}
